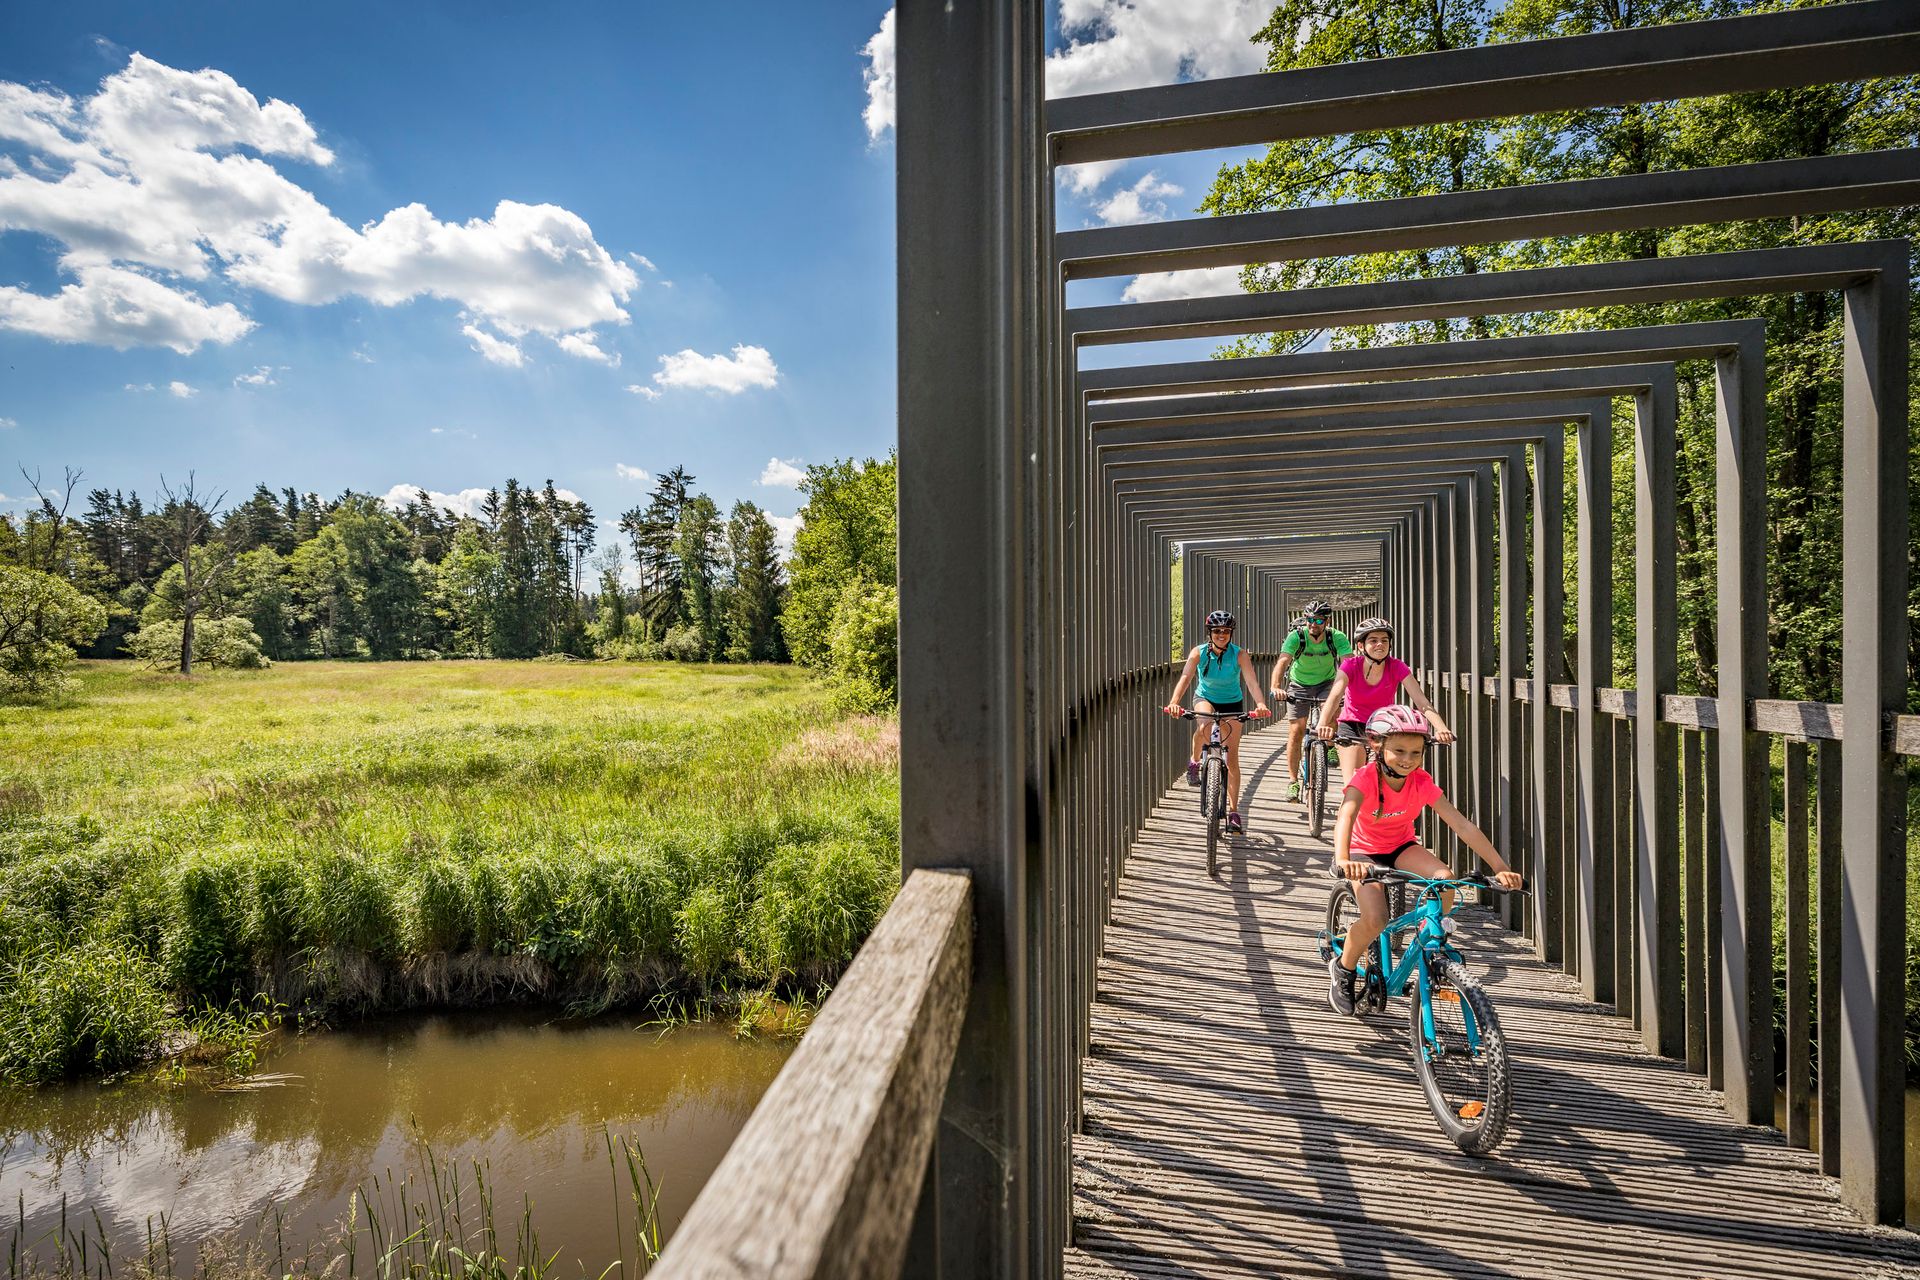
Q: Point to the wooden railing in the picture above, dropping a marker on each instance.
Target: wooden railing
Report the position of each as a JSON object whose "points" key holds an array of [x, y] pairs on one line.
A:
{"points": [[824, 1179]]}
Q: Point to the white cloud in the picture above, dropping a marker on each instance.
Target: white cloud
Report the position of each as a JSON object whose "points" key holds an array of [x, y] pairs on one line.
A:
{"points": [[782, 475], [1085, 179], [260, 377], [165, 176], [182, 391], [139, 386], [114, 307], [496, 350], [458, 433], [1112, 44], [1127, 44], [643, 391], [878, 74], [626, 472], [784, 527], [584, 346], [361, 355], [1144, 201], [1169, 286], [748, 367], [643, 260], [466, 502], [8, 424]]}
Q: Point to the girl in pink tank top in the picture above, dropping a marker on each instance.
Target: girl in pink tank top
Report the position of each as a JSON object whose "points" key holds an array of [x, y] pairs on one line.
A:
{"points": [[1369, 680]]}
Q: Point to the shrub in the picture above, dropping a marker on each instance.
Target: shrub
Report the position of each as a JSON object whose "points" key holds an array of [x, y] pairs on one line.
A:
{"points": [[685, 644], [95, 1008], [42, 620], [217, 642], [864, 650]]}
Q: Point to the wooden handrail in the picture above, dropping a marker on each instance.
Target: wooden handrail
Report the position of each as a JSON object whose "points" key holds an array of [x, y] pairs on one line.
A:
{"points": [[1798, 721], [824, 1179]]}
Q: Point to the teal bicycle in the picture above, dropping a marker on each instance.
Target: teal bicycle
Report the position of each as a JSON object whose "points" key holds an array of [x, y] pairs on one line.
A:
{"points": [[1459, 1053]]}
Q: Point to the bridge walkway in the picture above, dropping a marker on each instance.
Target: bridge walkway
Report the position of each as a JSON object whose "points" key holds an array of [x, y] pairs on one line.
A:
{"points": [[1236, 1126]]}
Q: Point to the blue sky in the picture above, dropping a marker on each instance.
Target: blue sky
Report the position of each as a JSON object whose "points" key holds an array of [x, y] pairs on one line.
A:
{"points": [[438, 245]]}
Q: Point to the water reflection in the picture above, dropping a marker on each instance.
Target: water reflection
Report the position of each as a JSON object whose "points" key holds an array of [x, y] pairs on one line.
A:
{"points": [[530, 1098]]}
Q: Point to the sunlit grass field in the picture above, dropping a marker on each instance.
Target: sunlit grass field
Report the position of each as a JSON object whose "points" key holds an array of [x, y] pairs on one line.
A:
{"points": [[370, 835]]}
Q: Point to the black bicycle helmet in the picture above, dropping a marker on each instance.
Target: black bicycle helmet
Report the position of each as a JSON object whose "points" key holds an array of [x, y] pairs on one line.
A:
{"points": [[1220, 618], [1369, 626], [1318, 611]]}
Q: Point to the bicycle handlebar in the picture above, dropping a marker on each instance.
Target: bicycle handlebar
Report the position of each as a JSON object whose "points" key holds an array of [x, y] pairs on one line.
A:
{"points": [[1216, 715], [1473, 880]]}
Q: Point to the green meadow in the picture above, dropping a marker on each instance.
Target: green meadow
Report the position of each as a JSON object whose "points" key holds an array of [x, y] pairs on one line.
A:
{"points": [[341, 837]]}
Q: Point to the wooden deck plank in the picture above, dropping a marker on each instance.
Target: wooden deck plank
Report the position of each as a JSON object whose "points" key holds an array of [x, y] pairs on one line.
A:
{"points": [[1235, 1125]]}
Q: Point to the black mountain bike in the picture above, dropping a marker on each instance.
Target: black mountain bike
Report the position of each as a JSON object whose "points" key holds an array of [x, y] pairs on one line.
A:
{"points": [[1213, 780], [1317, 762]]}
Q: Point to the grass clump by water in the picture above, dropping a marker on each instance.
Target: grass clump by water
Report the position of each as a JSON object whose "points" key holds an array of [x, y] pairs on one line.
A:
{"points": [[345, 837]]}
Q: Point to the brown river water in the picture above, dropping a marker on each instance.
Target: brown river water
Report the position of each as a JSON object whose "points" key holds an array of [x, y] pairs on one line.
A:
{"points": [[531, 1098]]}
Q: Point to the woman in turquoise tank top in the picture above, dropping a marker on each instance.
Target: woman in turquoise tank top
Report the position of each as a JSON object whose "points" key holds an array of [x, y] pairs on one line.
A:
{"points": [[1218, 670]]}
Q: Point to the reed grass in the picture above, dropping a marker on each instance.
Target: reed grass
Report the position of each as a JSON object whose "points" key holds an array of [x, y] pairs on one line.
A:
{"points": [[345, 837]]}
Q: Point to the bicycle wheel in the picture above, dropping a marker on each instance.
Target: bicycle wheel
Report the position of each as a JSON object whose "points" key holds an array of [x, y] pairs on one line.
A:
{"points": [[1470, 1093], [1316, 790], [1343, 911], [1213, 803]]}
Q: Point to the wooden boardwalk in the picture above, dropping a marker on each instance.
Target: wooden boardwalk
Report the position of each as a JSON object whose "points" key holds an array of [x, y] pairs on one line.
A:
{"points": [[1236, 1126]]}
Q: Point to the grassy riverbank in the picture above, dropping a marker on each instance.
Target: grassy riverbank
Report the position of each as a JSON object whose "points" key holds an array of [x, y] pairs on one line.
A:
{"points": [[363, 835]]}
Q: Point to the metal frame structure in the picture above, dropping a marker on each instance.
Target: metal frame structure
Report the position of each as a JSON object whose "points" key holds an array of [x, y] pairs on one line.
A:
{"points": [[1040, 505]]}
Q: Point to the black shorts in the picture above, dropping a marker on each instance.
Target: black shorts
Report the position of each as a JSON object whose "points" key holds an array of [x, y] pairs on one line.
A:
{"points": [[1300, 695], [1386, 860], [1351, 733], [1230, 708]]}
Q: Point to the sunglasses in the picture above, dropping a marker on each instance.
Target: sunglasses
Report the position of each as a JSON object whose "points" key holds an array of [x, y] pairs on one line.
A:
{"points": [[1219, 631]]}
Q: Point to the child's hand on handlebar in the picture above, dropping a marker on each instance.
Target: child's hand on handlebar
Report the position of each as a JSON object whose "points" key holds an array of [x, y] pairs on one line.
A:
{"points": [[1508, 879], [1352, 869]]}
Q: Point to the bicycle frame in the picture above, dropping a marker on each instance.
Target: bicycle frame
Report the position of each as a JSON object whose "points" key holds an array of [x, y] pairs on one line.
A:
{"points": [[1429, 939]]}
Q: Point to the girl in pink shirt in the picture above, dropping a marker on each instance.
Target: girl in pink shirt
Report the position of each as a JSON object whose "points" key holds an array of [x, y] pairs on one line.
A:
{"points": [[1371, 679], [1375, 829]]}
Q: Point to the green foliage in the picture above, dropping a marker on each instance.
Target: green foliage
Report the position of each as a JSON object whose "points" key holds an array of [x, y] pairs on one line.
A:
{"points": [[96, 1008], [565, 831], [864, 650], [223, 643], [848, 533], [42, 619]]}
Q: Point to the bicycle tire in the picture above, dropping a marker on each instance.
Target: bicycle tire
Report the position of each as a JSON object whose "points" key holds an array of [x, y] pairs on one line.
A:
{"points": [[1317, 791], [1470, 1095], [1213, 803], [1343, 909]]}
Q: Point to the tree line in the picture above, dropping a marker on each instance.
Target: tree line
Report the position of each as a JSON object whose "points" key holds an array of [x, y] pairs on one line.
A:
{"points": [[183, 577]]}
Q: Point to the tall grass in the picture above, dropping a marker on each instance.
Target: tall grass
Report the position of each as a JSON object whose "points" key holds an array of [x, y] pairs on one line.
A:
{"points": [[346, 837], [433, 1221]]}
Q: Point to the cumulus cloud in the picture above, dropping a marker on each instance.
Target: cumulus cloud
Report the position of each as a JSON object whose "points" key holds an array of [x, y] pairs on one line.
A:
{"points": [[584, 346], [260, 377], [167, 176], [1111, 44], [778, 474], [466, 502], [784, 527], [1085, 179], [878, 74], [642, 390], [496, 350], [626, 472], [1144, 201], [746, 368], [182, 391], [1170, 286], [1128, 44]]}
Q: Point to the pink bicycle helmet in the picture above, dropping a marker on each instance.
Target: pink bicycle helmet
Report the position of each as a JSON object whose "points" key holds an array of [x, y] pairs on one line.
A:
{"points": [[1398, 719]]}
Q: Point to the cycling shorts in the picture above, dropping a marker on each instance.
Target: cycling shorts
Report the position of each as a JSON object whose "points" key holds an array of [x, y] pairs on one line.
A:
{"points": [[1386, 860], [1229, 708], [1351, 733], [1300, 695]]}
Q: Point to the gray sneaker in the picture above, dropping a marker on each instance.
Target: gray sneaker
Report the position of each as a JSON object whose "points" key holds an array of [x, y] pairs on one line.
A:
{"points": [[1340, 987]]}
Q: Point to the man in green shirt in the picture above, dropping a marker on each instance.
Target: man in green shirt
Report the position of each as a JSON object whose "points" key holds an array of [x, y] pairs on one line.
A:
{"points": [[1310, 653]]}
